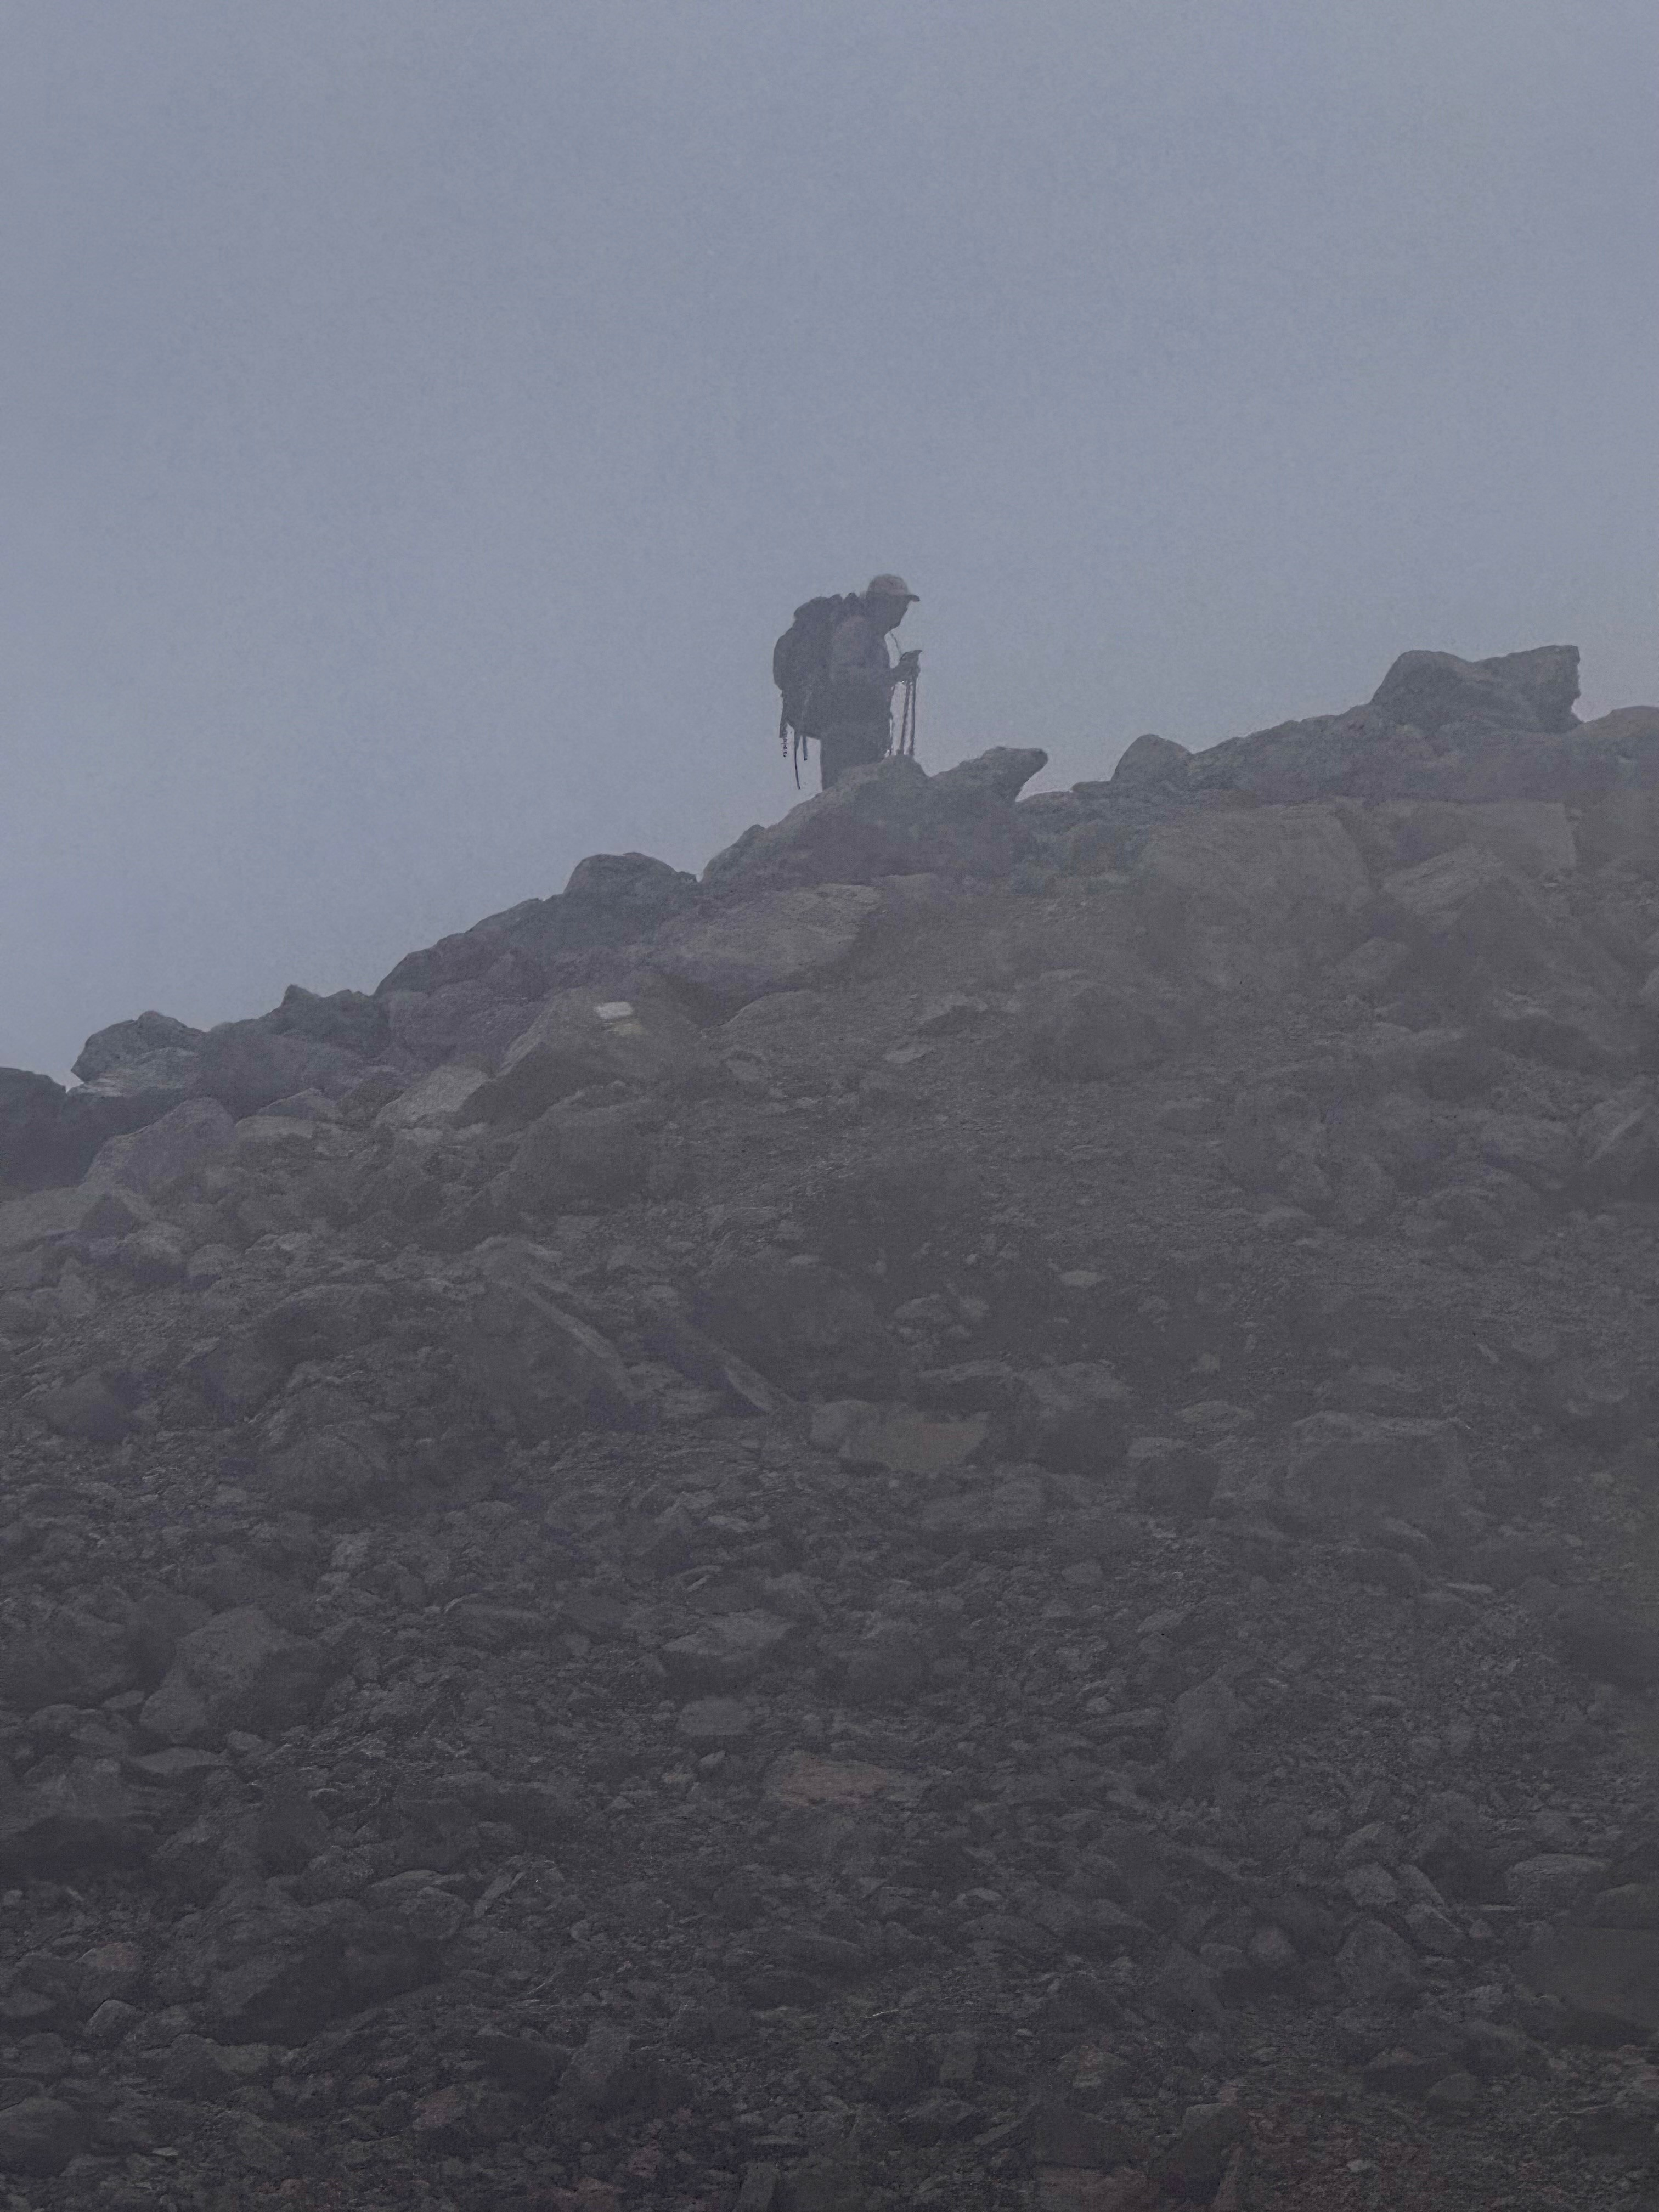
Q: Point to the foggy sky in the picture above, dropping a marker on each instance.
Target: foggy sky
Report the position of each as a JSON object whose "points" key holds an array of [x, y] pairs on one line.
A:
{"points": [[417, 418]]}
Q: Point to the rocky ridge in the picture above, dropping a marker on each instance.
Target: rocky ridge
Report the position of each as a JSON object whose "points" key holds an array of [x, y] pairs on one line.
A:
{"points": [[962, 1515]]}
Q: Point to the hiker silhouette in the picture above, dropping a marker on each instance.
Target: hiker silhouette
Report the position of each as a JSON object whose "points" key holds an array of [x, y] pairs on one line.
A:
{"points": [[836, 671]]}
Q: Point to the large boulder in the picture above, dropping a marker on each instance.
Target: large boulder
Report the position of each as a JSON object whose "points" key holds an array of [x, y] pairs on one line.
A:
{"points": [[30, 1109], [577, 1040], [1531, 691], [350, 1020], [1152, 763], [892, 819], [618, 898], [123, 1042], [612, 899], [145, 1159], [239, 1670], [245, 1066], [1259, 894], [535, 1366], [782, 940]]}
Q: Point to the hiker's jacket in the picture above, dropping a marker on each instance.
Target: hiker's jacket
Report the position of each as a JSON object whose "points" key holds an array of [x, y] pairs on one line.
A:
{"points": [[860, 687]]}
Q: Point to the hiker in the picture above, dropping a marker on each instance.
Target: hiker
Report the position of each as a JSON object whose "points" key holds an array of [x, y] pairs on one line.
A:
{"points": [[832, 667], [855, 722]]}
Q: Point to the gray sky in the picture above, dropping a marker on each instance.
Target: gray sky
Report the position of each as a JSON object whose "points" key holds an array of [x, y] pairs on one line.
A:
{"points": [[417, 418]]}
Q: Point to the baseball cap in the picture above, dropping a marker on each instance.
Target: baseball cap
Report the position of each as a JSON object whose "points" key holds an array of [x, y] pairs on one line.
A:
{"points": [[888, 588]]}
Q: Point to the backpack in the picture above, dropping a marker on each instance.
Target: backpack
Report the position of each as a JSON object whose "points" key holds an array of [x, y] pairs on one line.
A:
{"points": [[800, 667]]}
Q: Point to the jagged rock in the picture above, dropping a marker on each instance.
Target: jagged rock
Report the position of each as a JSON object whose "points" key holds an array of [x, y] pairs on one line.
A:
{"points": [[576, 1041], [237, 1671], [530, 1362], [169, 1148], [781, 940], [1149, 762], [891, 820], [85, 1816], [245, 1066], [30, 1107], [123, 1042], [438, 1101], [350, 1019], [726, 1653], [1531, 691], [51, 1216]]}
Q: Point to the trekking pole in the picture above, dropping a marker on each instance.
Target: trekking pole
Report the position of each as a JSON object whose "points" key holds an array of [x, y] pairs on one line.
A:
{"points": [[907, 744]]}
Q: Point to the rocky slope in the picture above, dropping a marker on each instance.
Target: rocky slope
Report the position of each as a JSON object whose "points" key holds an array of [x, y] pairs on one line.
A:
{"points": [[964, 1517]]}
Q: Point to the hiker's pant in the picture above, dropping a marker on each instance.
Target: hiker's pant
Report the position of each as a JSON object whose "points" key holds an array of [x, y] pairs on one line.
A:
{"points": [[844, 746]]}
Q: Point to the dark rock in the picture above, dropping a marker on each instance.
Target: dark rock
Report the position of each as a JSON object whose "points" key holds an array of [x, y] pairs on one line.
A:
{"points": [[30, 1109], [66, 1657], [571, 1158], [532, 1364], [1532, 690], [350, 1019], [124, 1041], [1152, 763], [85, 1816], [891, 820], [245, 1067], [169, 1146], [577, 1041], [237, 1671]]}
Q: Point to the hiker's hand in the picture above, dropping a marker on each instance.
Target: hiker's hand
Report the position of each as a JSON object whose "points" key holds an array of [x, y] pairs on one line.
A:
{"points": [[909, 662]]}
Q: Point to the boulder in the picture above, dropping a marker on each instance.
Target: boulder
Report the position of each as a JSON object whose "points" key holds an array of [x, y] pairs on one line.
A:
{"points": [[40, 2136], [245, 1067], [621, 898], [1075, 1416], [239, 1670], [781, 940], [30, 1107], [125, 1042], [1152, 763], [891, 819], [572, 1158], [533, 1365], [146, 1159], [350, 1020], [85, 1816], [1606, 1977], [1347, 1472], [1531, 691], [438, 1101], [577, 1040], [1254, 896], [49, 1216]]}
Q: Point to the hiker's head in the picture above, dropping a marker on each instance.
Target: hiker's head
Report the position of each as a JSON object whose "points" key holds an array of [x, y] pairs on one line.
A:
{"points": [[885, 600]]}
